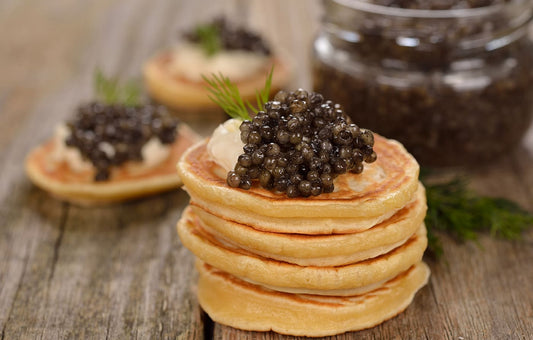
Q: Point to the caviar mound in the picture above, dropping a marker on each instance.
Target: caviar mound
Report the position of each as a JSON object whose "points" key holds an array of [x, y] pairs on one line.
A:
{"points": [[229, 37], [111, 135], [299, 144]]}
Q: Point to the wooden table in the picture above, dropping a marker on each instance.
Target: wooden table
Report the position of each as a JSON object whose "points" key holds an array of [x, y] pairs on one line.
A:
{"points": [[120, 272]]}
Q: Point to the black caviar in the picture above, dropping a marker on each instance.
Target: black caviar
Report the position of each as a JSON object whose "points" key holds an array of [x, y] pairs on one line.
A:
{"points": [[110, 135], [455, 90], [299, 144], [231, 37]]}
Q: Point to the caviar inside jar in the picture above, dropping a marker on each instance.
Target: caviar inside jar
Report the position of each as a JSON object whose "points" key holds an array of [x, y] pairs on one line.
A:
{"points": [[455, 88]]}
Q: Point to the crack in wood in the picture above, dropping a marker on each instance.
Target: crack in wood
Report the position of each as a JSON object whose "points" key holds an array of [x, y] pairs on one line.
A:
{"points": [[432, 290], [426, 334], [19, 285], [57, 244], [107, 327], [209, 326]]}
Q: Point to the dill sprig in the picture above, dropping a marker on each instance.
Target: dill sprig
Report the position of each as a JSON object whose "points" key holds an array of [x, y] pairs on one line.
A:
{"points": [[208, 38], [454, 209], [111, 91], [226, 95]]}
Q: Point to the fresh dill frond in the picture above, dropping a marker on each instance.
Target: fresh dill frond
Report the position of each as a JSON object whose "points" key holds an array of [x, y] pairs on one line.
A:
{"points": [[131, 94], [226, 95], [110, 91], [455, 210], [208, 38]]}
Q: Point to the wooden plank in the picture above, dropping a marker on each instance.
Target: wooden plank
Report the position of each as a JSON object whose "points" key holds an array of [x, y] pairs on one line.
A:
{"points": [[68, 272], [104, 273], [27, 247]]}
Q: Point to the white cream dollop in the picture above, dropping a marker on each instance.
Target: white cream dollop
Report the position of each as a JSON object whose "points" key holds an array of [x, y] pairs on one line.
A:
{"points": [[225, 144], [153, 152], [190, 61], [68, 154]]}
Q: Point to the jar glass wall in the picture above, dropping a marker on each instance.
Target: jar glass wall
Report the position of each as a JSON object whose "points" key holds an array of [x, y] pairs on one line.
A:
{"points": [[454, 86]]}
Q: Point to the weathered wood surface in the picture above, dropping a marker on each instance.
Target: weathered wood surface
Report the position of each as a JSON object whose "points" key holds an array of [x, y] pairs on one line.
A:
{"points": [[120, 272]]}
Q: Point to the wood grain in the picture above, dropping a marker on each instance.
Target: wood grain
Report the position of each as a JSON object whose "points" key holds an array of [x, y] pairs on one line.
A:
{"points": [[120, 272]]}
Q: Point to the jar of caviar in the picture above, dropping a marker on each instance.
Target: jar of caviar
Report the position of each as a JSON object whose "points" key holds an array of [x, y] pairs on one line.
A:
{"points": [[452, 80]]}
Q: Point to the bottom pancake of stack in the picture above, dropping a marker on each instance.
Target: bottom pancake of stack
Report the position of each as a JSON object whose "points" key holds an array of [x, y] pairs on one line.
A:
{"points": [[240, 304]]}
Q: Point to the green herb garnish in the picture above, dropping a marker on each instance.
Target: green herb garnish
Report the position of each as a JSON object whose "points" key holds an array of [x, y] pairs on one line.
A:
{"points": [[454, 209], [226, 95], [209, 39], [110, 91]]}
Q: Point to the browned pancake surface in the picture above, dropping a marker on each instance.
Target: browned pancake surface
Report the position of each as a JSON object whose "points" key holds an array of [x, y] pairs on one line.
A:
{"points": [[267, 271], [179, 92], [385, 185], [243, 305], [320, 250], [125, 183]]}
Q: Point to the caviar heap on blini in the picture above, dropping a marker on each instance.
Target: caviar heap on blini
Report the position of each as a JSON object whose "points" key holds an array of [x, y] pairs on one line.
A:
{"points": [[299, 144], [113, 149], [302, 223], [112, 135], [174, 76]]}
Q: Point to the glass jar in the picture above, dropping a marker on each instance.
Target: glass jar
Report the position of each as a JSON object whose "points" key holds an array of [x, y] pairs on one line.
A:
{"points": [[454, 86]]}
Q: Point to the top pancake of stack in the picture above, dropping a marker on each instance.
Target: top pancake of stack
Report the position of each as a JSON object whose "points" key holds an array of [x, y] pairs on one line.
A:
{"points": [[359, 201]]}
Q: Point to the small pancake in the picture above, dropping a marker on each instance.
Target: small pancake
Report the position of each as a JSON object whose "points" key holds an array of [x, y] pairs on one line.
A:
{"points": [[291, 225], [329, 292], [249, 265], [180, 93], [383, 188], [127, 182], [317, 250], [239, 304]]}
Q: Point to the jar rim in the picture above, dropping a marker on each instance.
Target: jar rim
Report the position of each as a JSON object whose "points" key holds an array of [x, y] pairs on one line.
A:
{"points": [[368, 7]]}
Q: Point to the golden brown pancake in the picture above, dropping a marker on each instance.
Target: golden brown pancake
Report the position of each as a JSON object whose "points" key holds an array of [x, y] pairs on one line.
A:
{"points": [[180, 93], [359, 201], [267, 271], [127, 182], [231, 301], [317, 250]]}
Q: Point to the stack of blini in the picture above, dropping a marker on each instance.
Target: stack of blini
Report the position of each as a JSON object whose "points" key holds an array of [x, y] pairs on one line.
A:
{"points": [[316, 266]]}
